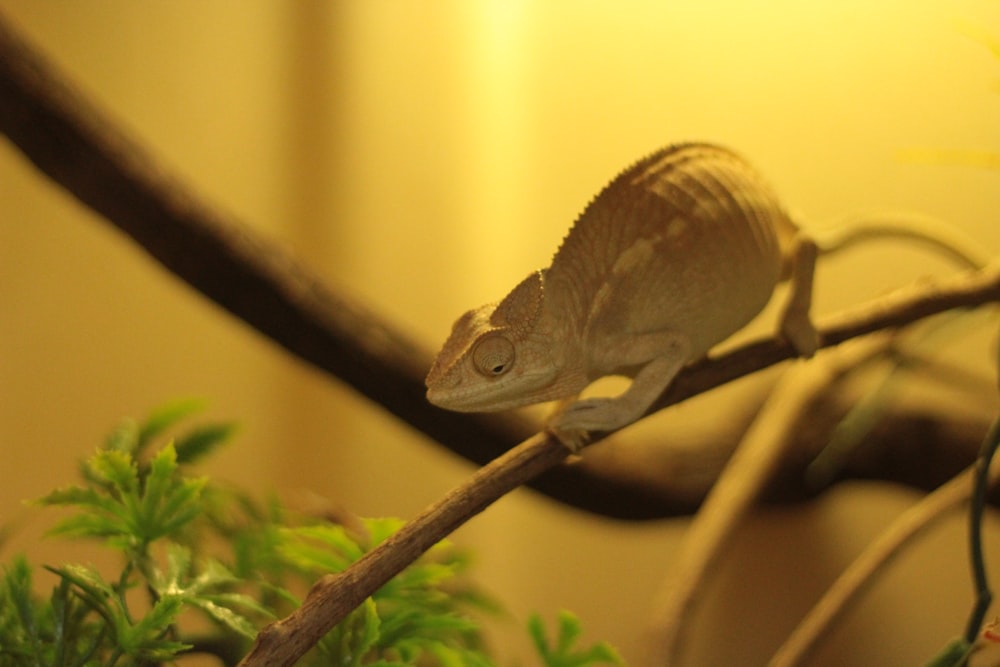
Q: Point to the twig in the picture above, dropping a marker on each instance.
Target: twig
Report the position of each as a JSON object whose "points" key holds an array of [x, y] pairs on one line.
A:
{"points": [[79, 148], [853, 581], [984, 596], [84, 151], [768, 440], [334, 596]]}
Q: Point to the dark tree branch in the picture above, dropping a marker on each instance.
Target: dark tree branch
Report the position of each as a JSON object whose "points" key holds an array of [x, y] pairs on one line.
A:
{"points": [[83, 151], [76, 146], [335, 596]]}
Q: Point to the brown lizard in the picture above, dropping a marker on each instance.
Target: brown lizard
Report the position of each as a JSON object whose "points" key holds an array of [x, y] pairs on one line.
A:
{"points": [[679, 251]]}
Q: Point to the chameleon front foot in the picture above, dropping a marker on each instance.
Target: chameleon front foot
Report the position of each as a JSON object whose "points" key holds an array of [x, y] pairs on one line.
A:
{"points": [[572, 439], [572, 424]]}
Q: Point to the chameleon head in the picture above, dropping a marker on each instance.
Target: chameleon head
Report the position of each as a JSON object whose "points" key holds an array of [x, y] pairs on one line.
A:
{"points": [[495, 358]]}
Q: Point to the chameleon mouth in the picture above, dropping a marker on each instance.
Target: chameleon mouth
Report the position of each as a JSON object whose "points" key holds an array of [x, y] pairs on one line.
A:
{"points": [[459, 401]]}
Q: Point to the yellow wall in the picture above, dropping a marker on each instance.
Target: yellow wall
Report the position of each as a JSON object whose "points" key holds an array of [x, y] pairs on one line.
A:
{"points": [[425, 156]]}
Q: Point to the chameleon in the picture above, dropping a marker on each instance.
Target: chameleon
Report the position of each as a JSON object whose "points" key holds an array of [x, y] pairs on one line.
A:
{"points": [[675, 254]]}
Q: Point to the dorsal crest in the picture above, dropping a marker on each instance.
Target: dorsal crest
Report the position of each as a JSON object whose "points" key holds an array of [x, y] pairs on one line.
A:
{"points": [[520, 309]]}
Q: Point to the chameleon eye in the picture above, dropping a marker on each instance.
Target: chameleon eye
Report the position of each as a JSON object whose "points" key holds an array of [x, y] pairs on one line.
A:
{"points": [[493, 356]]}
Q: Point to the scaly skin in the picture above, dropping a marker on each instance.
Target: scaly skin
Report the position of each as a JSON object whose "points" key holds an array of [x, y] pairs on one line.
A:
{"points": [[675, 254]]}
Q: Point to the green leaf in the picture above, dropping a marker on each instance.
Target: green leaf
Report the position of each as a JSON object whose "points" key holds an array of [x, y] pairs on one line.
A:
{"points": [[352, 641], [563, 654], [569, 631], [202, 441], [380, 529], [220, 607], [179, 508], [206, 590], [128, 513], [16, 595], [116, 468], [166, 416], [422, 575], [157, 484], [144, 638], [131, 501], [318, 548], [99, 514], [536, 630], [124, 438], [168, 502], [96, 592]]}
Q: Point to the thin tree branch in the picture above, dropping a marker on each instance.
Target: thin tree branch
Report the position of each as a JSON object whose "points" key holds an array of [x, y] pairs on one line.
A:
{"points": [[335, 596], [857, 578], [771, 438], [283, 642], [81, 149], [74, 144]]}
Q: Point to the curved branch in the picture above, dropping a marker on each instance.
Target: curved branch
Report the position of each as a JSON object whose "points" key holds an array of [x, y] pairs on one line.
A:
{"points": [[334, 596], [81, 149]]}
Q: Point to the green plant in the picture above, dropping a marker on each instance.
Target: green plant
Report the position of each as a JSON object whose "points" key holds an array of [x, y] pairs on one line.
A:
{"points": [[192, 547]]}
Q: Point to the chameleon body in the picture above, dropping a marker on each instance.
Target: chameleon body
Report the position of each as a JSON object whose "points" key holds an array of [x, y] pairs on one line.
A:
{"points": [[679, 251]]}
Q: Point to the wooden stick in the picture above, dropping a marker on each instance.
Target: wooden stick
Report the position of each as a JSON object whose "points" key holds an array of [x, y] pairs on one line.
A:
{"points": [[84, 151], [771, 437], [335, 596]]}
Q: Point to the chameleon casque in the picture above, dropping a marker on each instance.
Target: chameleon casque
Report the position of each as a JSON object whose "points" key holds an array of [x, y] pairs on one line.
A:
{"points": [[679, 251]]}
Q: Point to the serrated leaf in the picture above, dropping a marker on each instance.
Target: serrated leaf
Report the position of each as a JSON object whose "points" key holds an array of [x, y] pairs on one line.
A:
{"points": [[178, 565], [225, 615], [180, 507], [145, 633], [157, 485], [75, 495], [99, 514], [130, 516], [239, 600], [168, 503], [86, 578], [17, 591], [90, 525], [199, 592], [124, 438], [96, 593], [116, 468]]}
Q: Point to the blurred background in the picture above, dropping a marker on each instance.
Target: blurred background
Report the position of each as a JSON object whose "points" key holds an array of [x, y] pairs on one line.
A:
{"points": [[425, 157]]}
